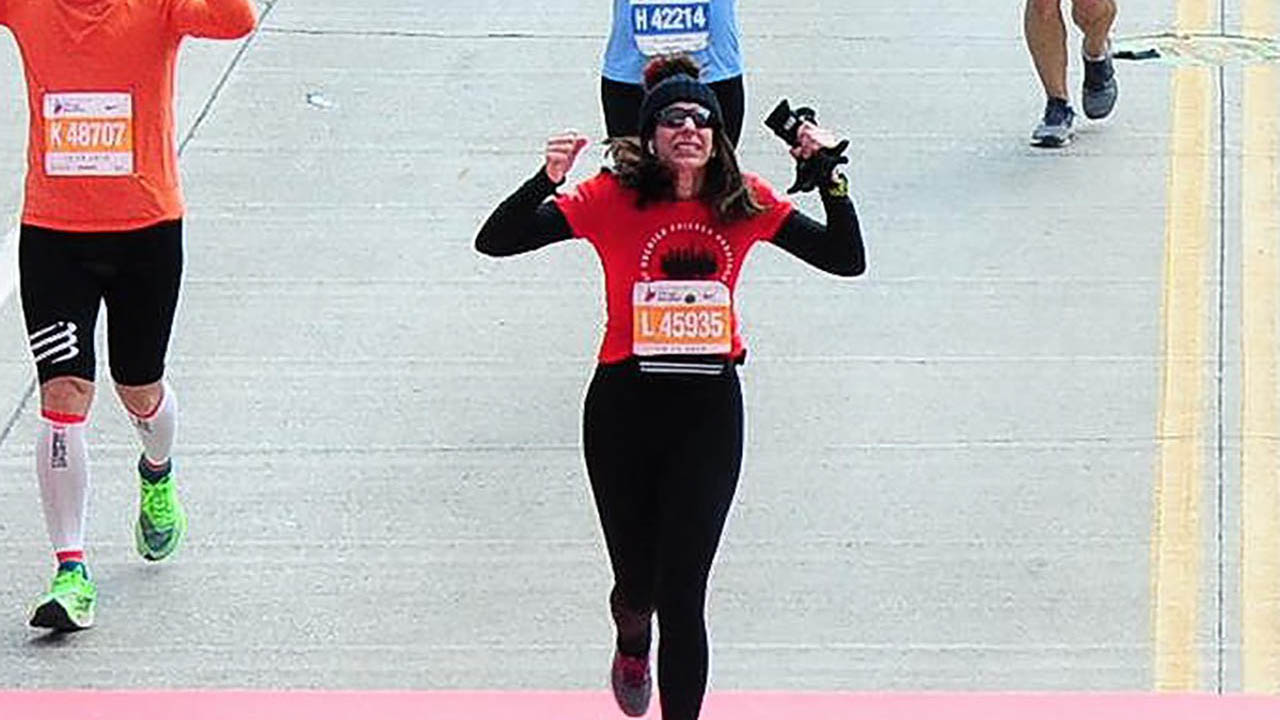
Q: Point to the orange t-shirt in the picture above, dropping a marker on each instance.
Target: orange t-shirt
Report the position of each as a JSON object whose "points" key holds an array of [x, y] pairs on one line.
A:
{"points": [[101, 154]]}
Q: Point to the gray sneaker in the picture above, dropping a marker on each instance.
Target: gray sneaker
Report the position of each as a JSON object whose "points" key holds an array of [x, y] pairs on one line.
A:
{"points": [[1100, 90], [1055, 129]]}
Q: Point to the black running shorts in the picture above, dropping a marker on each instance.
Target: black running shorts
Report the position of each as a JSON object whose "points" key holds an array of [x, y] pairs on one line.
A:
{"points": [[65, 276]]}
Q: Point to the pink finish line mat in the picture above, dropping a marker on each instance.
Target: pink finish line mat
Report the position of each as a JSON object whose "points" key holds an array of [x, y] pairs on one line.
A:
{"points": [[448, 705]]}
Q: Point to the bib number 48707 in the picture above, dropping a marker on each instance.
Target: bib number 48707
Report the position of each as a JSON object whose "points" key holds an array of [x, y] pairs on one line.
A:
{"points": [[88, 134]]}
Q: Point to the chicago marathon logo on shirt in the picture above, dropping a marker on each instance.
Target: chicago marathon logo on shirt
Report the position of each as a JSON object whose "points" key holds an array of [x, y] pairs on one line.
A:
{"points": [[687, 251]]}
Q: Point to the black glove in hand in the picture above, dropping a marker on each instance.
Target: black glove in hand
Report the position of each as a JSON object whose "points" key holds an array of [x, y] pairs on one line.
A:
{"points": [[818, 170]]}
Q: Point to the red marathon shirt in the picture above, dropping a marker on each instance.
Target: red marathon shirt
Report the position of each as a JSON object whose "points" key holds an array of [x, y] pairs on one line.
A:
{"points": [[670, 269], [101, 154]]}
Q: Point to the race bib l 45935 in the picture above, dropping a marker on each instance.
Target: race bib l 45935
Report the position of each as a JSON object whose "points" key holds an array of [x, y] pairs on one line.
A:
{"points": [[682, 317]]}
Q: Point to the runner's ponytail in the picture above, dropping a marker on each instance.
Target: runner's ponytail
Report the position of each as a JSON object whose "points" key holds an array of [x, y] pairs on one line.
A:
{"points": [[665, 66]]}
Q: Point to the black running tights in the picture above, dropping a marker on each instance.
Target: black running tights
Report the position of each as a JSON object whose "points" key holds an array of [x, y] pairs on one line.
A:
{"points": [[663, 453]]}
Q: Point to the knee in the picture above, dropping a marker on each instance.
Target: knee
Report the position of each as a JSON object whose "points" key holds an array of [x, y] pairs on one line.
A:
{"points": [[631, 601], [66, 396], [141, 400], [681, 622], [1087, 12], [682, 606], [632, 620], [1044, 9]]}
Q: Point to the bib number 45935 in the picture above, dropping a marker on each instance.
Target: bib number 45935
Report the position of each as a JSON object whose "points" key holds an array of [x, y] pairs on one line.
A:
{"points": [[676, 317]]}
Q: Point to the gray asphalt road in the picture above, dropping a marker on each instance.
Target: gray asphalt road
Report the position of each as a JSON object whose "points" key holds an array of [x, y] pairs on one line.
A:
{"points": [[951, 460]]}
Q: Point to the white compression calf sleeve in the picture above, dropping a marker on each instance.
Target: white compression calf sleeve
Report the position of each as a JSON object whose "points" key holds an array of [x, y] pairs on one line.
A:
{"points": [[158, 429], [62, 465]]}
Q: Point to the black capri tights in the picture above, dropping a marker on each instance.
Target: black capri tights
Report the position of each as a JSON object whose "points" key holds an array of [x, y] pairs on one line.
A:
{"points": [[663, 453], [622, 106]]}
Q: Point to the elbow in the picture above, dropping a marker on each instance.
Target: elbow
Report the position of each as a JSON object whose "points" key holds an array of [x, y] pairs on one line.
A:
{"points": [[240, 23], [856, 263], [859, 265], [233, 29], [486, 246], [491, 244], [486, 239], [853, 268], [246, 23], [489, 240]]}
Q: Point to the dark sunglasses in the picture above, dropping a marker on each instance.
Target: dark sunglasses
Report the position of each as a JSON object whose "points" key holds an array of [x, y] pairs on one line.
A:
{"points": [[674, 117]]}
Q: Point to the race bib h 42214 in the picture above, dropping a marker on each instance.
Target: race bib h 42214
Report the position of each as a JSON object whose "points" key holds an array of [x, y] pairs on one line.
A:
{"points": [[668, 26], [88, 134]]}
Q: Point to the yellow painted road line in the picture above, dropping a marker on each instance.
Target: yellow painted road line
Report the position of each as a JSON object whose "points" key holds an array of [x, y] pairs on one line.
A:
{"points": [[1260, 411], [1260, 18], [1175, 544], [1195, 16], [1176, 541]]}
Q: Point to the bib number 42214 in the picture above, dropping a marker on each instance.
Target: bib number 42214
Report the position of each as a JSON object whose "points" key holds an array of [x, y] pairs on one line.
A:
{"points": [[669, 26]]}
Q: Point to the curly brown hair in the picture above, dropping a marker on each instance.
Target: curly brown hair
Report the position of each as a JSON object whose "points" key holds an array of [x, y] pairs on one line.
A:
{"points": [[639, 169]]}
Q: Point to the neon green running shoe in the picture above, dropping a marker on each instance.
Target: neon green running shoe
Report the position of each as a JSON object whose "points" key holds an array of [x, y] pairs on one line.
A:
{"points": [[68, 606], [161, 519]]}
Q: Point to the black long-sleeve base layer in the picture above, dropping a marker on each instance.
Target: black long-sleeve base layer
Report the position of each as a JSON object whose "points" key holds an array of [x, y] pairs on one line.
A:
{"points": [[524, 222]]}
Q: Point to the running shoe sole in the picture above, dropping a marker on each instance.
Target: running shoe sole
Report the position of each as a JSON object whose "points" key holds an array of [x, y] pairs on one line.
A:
{"points": [[1051, 142], [53, 615]]}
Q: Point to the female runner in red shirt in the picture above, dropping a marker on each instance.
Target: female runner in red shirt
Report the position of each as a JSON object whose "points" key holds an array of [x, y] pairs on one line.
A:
{"points": [[663, 422]]}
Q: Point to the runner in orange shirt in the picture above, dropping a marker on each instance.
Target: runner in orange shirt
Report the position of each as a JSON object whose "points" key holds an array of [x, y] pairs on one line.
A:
{"points": [[102, 221]]}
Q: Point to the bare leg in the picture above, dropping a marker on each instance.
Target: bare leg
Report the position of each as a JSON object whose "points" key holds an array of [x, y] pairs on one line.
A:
{"points": [[1094, 18], [66, 396], [1046, 34]]}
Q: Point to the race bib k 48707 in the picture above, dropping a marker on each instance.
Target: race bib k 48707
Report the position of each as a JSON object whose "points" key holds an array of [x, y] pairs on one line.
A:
{"points": [[88, 133]]}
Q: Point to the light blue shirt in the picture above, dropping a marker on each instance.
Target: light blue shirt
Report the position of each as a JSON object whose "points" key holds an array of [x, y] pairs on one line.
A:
{"points": [[706, 29]]}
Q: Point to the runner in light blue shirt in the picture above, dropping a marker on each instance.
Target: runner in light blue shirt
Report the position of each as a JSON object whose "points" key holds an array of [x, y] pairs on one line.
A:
{"points": [[644, 29]]}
